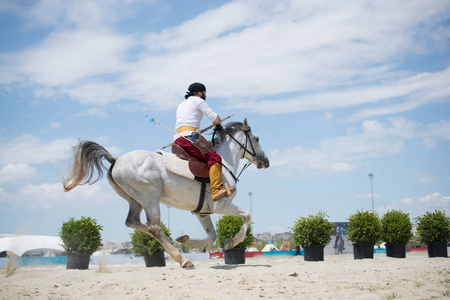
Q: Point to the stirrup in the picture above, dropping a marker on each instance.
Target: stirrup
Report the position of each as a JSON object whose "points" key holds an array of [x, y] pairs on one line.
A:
{"points": [[219, 195], [229, 191]]}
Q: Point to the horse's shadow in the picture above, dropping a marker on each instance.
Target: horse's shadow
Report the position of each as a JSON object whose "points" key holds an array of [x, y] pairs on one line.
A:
{"points": [[232, 267]]}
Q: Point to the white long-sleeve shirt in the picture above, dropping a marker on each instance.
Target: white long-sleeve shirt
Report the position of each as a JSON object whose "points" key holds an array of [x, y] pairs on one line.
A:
{"points": [[190, 113]]}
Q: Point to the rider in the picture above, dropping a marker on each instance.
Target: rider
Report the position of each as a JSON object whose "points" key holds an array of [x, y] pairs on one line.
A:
{"points": [[189, 117]]}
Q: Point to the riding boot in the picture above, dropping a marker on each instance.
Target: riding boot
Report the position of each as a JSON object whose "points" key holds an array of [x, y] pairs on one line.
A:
{"points": [[215, 176]]}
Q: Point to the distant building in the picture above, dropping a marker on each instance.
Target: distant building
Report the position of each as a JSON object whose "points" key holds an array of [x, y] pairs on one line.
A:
{"points": [[268, 236]]}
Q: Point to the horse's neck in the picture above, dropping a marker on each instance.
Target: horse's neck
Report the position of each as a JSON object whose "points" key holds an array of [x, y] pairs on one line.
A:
{"points": [[230, 152]]}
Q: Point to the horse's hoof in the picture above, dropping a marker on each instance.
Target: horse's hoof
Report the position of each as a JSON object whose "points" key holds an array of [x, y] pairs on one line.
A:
{"points": [[182, 239], [187, 264], [228, 244]]}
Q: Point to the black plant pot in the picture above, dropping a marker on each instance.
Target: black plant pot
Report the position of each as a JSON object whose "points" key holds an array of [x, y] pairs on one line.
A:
{"points": [[362, 250], [396, 250], [437, 249], [234, 256], [313, 253], [77, 260], [155, 260]]}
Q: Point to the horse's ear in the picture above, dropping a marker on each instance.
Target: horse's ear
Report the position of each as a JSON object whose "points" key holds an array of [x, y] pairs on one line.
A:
{"points": [[245, 126]]}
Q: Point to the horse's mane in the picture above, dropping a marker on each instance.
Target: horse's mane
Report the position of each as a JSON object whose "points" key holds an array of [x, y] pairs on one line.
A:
{"points": [[229, 128]]}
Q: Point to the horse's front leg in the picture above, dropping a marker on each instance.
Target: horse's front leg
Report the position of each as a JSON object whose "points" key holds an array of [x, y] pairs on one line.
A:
{"points": [[208, 226], [225, 207]]}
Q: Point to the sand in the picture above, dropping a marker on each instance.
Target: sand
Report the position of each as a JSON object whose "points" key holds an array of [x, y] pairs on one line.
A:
{"points": [[272, 277]]}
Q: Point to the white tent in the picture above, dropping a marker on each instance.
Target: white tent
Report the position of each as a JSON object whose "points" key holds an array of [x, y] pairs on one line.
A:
{"points": [[19, 244], [269, 247], [252, 249]]}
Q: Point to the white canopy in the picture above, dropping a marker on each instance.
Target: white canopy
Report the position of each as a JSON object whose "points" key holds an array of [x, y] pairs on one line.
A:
{"points": [[19, 244], [269, 247], [252, 249]]}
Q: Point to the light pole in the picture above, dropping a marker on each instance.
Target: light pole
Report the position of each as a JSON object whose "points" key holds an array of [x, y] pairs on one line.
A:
{"points": [[168, 217], [251, 215], [371, 187]]}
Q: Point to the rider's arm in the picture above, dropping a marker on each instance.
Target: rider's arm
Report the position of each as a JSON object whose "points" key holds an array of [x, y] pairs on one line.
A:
{"points": [[208, 112]]}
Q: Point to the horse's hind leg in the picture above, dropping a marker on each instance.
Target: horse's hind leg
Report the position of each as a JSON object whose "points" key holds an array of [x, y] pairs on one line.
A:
{"points": [[154, 228], [134, 214], [208, 226], [148, 199]]}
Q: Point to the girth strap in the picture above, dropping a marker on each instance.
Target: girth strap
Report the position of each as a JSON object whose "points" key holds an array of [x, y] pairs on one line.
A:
{"points": [[201, 199]]}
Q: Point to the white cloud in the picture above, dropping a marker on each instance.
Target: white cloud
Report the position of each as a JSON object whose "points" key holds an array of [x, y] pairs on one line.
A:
{"points": [[342, 154], [415, 91], [407, 200], [29, 149], [81, 13], [436, 199], [299, 163], [55, 124], [440, 129], [50, 195], [16, 173], [429, 143], [96, 112], [417, 206], [424, 178], [342, 54], [65, 58]]}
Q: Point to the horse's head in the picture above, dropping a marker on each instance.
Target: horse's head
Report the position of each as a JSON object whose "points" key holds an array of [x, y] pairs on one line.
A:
{"points": [[242, 134]]}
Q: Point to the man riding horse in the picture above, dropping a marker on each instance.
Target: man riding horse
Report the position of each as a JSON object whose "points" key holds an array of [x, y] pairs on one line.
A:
{"points": [[144, 180], [189, 116]]}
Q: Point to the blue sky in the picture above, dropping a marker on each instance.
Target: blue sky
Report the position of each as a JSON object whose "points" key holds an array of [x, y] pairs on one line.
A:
{"points": [[335, 90]]}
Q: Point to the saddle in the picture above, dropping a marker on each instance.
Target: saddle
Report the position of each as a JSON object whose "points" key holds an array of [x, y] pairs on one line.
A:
{"points": [[198, 168], [200, 172]]}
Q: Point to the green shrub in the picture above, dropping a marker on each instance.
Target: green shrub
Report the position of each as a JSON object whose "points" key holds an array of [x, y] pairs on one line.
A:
{"points": [[81, 235], [314, 230], [364, 227], [396, 227], [144, 244], [228, 226], [433, 227]]}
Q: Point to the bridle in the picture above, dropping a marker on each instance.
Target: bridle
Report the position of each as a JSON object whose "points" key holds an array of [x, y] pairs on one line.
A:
{"points": [[248, 140]]}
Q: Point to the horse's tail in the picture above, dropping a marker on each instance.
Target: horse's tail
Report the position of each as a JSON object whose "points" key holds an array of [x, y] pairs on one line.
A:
{"points": [[87, 158]]}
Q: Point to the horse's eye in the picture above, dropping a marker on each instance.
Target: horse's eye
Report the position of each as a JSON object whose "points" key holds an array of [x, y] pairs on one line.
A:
{"points": [[257, 138]]}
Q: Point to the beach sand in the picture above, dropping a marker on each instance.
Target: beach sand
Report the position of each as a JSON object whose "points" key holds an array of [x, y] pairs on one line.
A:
{"points": [[272, 277]]}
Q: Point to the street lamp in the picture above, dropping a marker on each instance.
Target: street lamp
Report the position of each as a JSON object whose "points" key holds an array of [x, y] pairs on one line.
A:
{"points": [[251, 215], [371, 187], [168, 217]]}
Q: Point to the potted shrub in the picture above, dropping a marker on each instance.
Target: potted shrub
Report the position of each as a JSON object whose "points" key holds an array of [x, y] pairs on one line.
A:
{"points": [[312, 233], [80, 239], [148, 247], [226, 228], [434, 230], [364, 229], [396, 231]]}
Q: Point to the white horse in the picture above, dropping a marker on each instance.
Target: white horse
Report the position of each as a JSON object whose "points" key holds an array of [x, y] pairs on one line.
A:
{"points": [[140, 177]]}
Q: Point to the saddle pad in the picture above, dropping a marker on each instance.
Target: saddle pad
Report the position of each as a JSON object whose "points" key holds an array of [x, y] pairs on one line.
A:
{"points": [[175, 165]]}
